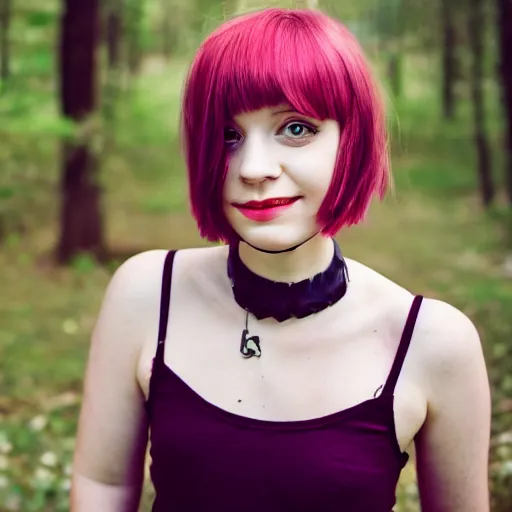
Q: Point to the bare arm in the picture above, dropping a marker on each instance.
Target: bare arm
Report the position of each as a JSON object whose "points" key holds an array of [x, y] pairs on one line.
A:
{"points": [[453, 445], [87, 494], [108, 466]]}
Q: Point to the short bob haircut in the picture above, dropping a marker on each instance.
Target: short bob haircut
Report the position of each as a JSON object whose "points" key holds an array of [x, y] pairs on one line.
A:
{"points": [[300, 57]]}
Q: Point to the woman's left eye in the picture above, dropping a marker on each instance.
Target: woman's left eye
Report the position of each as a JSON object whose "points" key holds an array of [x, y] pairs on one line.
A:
{"points": [[297, 130]]}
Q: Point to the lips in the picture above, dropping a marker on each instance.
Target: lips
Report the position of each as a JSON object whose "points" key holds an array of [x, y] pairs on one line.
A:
{"points": [[267, 210], [275, 202]]}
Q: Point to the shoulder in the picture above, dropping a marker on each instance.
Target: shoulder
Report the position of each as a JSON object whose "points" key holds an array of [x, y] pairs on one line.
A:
{"points": [[445, 341], [452, 446], [131, 301], [373, 291], [438, 322], [196, 262], [449, 345], [137, 276], [446, 327], [138, 268], [137, 279], [201, 273], [137, 282]]}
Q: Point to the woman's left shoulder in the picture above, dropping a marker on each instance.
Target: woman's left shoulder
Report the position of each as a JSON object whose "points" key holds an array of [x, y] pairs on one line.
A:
{"points": [[447, 339], [444, 337]]}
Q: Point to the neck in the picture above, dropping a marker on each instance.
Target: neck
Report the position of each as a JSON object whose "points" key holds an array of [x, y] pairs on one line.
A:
{"points": [[304, 262]]}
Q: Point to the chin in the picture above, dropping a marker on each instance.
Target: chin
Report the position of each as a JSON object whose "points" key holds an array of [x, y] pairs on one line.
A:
{"points": [[274, 238]]}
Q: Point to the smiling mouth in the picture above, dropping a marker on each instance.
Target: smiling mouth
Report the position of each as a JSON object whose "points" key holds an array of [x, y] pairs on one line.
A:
{"points": [[267, 210], [267, 203]]}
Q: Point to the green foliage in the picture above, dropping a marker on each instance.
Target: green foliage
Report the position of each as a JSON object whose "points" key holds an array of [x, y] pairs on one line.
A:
{"points": [[6, 192], [445, 246], [27, 99], [390, 18], [83, 264], [45, 442], [40, 19]]}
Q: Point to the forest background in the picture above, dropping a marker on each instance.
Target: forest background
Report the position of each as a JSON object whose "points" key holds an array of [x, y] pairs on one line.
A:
{"points": [[91, 173]]}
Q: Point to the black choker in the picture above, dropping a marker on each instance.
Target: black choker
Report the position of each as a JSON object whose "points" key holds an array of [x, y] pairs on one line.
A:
{"points": [[264, 298]]}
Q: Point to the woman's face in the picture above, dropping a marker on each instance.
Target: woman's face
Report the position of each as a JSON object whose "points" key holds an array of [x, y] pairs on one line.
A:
{"points": [[280, 166]]}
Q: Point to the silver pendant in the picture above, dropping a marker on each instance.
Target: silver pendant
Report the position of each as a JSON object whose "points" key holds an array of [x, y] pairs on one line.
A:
{"points": [[250, 347]]}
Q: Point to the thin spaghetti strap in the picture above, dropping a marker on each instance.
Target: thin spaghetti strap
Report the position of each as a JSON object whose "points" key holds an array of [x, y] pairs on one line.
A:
{"points": [[165, 300], [389, 387]]}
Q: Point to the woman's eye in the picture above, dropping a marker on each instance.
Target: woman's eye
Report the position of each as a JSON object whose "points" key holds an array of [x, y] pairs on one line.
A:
{"points": [[297, 130], [231, 137]]}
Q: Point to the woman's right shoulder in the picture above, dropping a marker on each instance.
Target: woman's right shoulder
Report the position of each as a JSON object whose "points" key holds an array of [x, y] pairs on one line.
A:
{"points": [[139, 270], [137, 281]]}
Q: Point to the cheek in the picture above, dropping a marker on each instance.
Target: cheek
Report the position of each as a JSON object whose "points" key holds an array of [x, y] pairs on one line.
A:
{"points": [[326, 164], [317, 171], [327, 155]]}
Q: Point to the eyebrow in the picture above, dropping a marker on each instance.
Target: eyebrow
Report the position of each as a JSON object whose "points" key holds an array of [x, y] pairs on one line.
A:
{"points": [[283, 111]]}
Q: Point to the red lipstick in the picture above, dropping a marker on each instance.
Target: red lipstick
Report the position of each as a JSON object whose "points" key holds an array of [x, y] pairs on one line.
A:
{"points": [[266, 210]]}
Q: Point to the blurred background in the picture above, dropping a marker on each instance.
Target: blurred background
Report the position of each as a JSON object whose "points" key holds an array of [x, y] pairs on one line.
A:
{"points": [[91, 173]]}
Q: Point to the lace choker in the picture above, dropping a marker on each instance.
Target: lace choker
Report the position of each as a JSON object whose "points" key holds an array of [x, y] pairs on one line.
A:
{"points": [[265, 298]]}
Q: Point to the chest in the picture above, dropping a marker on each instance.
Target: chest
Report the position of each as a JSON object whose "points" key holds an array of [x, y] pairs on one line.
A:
{"points": [[308, 369], [322, 464]]}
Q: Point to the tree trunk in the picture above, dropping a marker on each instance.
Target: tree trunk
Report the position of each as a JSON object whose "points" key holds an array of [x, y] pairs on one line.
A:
{"points": [[81, 219], [505, 37], [134, 12], [476, 35], [113, 39], [5, 22], [449, 58], [114, 28]]}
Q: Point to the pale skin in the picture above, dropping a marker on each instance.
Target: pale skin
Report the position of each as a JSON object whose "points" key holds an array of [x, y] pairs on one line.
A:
{"points": [[311, 367]]}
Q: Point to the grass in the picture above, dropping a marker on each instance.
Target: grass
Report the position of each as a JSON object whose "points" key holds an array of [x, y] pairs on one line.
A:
{"points": [[431, 236]]}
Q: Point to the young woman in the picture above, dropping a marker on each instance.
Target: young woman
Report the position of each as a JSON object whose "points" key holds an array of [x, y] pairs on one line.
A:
{"points": [[271, 372]]}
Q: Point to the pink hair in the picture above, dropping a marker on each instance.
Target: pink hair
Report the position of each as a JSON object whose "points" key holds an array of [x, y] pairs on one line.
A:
{"points": [[300, 57]]}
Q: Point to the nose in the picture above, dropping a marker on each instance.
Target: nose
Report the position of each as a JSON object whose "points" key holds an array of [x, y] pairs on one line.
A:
{"points": [[257, 162]]}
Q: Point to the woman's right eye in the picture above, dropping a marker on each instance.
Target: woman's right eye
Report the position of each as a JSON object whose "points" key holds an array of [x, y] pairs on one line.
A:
{"points": [[231, 137]]}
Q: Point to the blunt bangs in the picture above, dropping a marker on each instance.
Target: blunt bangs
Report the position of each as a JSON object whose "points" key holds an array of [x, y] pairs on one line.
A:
{"points": [[276, 61], [275, 56]]}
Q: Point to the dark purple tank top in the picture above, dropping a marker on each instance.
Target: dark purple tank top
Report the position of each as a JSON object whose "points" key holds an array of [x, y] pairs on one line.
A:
{"points": [[206, 459]]}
